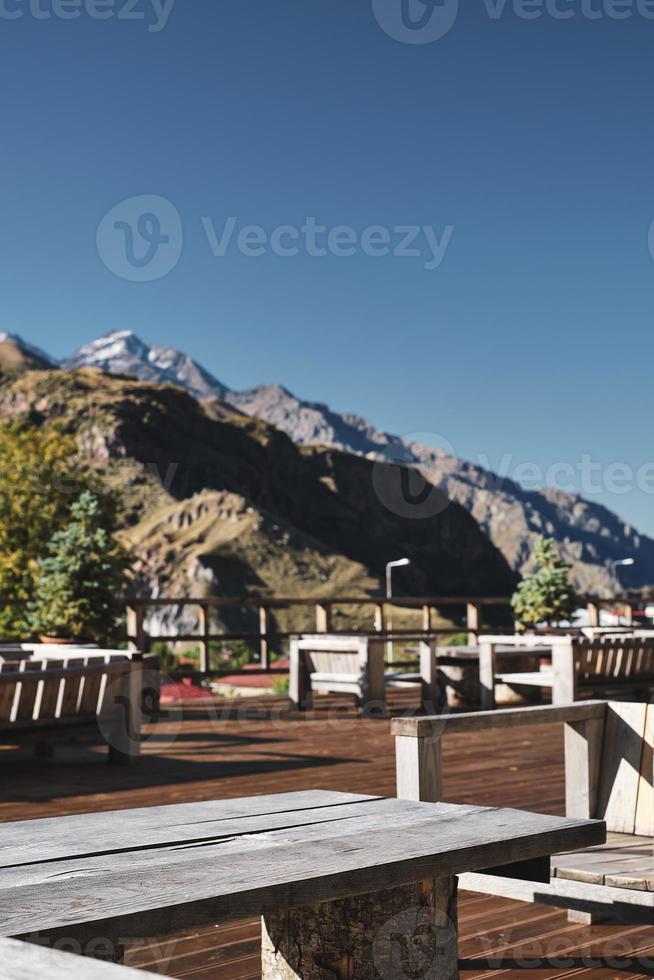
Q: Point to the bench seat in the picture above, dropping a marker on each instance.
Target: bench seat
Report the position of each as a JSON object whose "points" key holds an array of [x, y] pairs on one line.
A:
{"points": [[530, 678], [625, 861]]}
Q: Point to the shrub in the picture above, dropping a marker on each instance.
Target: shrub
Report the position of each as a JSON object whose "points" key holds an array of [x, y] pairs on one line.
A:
{"points": [[545, 596], [83, 576]]}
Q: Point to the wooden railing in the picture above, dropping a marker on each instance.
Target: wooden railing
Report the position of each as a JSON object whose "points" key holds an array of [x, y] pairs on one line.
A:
{"points": [[319, 620]]}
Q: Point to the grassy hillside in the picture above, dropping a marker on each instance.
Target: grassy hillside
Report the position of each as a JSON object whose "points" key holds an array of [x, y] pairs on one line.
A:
{"points": [[218, 503]]}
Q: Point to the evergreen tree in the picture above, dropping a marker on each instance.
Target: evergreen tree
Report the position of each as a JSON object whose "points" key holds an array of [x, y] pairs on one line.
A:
{"points": [[83, 576], [545, 596]]}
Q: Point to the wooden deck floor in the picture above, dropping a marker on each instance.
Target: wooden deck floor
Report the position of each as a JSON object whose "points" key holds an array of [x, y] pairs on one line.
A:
{"points": [[200, 753]]}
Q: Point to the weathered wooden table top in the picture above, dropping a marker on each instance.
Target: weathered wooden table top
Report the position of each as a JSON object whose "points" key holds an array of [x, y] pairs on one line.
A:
{"points": [[164, 867]]}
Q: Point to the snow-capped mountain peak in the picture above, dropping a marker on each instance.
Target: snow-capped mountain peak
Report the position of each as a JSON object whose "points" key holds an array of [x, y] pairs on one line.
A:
{"points": [[122, 352]]}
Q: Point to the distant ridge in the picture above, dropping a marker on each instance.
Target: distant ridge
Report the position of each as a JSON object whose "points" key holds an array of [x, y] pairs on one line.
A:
{"points": [[17, 354], [590, 536]]}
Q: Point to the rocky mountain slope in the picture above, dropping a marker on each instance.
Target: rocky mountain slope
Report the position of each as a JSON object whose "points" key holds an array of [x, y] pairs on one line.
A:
{"points": [[218, 503], [590, 536]]}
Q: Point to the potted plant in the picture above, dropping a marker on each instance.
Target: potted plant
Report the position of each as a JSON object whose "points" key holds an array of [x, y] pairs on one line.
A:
{"points": [[83, 575]]}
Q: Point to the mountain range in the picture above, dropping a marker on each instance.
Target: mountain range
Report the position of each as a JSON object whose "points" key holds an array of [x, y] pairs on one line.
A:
{"points": [[590, 537]]}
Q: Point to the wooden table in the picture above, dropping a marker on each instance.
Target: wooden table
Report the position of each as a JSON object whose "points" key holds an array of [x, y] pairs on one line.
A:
{"points": [[337, 877]]}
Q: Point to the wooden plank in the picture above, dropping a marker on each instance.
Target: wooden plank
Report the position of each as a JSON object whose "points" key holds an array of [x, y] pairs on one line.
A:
{"points": [[645, 803], [25, 961], [565, 893], [53, 838], [277, 869], [621, 764], [528, 678], [506, 718]]}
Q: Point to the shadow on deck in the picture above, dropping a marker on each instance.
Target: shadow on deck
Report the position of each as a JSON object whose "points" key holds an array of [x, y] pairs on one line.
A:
{"points": [[229, 749]]}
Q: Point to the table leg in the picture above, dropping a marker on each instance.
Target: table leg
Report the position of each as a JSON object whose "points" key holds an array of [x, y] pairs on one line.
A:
{"points": [[398, 933]]}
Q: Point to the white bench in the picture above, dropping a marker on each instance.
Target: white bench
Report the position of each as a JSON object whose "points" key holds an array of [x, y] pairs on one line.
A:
{"points": [[608, 665], [46, 701], [354, 665]]}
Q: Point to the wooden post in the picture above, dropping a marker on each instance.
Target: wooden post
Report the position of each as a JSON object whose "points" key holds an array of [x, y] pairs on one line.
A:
{"points": [[486, 674], [380, 617], [121, 716], [628, 614], [135, 632], [371, 672], [406, 931], [263, 643], [433, 696], [419, 767], [564, 670], [426, 618], [473, 621], [593, 614], [300, 695], [323, 617], [204, 643], [583, 753]]}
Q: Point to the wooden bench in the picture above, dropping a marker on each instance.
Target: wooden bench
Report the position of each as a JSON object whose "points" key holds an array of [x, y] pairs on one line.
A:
{"points": [[25, 961], [608, 774], [354, 665], [610, 665], [339, 878], [43, 702]]}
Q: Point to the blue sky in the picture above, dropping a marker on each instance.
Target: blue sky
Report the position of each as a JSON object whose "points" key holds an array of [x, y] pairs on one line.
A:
{"points": [[531, 342]]}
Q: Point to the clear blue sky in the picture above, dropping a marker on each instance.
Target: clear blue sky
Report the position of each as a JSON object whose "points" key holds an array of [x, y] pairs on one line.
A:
{"points": [[532, 138]]}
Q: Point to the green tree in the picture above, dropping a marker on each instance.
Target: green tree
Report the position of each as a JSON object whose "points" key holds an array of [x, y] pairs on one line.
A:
{"points": [[545, 596], [83, 576], [39, 479]]}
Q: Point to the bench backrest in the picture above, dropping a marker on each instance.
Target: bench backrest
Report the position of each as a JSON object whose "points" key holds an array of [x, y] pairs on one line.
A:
{"points": [[626, 796], [616, 657], [335, 654], [55, 690]]}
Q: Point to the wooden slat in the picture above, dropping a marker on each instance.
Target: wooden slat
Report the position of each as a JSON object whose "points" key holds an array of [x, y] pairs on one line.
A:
{"points": [[50, 691], [28, 690], [621, 764], [91, 687]]}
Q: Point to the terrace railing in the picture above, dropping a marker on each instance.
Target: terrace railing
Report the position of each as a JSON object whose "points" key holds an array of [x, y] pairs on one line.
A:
{"points": [[320, 618]]}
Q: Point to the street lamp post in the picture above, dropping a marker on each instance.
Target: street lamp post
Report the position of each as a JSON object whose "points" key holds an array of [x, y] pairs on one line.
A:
{"points": [[390, 565], [629, 608]]}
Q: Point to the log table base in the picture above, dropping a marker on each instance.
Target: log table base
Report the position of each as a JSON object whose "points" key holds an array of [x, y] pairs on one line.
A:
{"points": [[397, 933]]}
